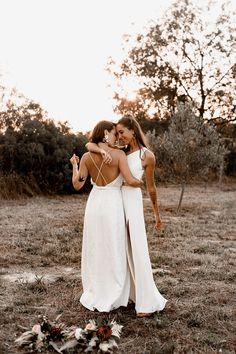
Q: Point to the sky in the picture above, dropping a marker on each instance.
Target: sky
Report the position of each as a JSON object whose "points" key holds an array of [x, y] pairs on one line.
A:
{"points": [[55, 52]]}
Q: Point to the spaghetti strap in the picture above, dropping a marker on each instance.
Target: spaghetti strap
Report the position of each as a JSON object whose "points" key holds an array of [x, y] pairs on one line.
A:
{"points": [[99, 169]]}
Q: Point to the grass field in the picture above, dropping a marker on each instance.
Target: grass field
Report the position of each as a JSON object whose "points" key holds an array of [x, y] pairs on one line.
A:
{"points": [[193, 262]]}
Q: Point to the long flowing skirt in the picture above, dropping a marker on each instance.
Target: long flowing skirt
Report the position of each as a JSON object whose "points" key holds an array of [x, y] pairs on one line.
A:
{"points": [[104, 265], [143, 290]]}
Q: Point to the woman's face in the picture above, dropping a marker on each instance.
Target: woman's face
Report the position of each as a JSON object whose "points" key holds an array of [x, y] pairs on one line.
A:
{"points": [[112, 137], [125, 135]]}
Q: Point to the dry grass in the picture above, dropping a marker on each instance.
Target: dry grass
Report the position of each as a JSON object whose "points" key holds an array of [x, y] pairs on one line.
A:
{"points": [[193, 261], [15, 186]]}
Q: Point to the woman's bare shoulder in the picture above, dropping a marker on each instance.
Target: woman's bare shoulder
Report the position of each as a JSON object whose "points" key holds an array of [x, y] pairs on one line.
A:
{"points": [[149, 154], [149, 158], [118, 152], [85, 156], [88, 156]]}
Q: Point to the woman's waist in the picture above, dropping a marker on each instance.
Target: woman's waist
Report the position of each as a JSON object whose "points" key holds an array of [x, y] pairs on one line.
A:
{"points": [[129, 190], [137, 174], [108, 188]]}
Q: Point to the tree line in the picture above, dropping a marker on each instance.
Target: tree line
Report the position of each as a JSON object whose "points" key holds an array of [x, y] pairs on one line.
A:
{"points": [[185, 59], [35, 151], [184, 68]]}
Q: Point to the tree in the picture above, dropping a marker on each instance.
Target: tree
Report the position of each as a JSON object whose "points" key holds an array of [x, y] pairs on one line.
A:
{"points": [[36, 148], [190, 147], [188, 56], [228, 133]]}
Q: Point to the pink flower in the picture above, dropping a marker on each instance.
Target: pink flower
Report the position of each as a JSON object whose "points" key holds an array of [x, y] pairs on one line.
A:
{"points": [[91, 326], [36, 328]]}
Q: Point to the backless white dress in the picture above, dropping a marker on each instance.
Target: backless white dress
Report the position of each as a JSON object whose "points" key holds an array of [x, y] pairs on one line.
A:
{"points": [[143, 290], [104, 265]]}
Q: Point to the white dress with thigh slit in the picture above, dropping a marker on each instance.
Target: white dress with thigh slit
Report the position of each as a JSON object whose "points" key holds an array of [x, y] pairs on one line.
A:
{"points": [[143, 290]]}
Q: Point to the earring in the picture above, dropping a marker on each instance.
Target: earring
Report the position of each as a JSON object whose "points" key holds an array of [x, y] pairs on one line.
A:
{"points": [[106, 138]]}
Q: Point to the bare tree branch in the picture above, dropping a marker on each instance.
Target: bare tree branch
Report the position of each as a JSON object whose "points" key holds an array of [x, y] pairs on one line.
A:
{"points": [[188, 57], [219, 81]]}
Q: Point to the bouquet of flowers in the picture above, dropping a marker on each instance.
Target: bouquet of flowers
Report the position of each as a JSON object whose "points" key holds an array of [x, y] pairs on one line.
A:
{"points": [[93, 338]]}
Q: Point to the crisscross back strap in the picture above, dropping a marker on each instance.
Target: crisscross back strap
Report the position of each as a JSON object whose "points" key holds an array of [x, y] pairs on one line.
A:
{"points": [[98, 168]]}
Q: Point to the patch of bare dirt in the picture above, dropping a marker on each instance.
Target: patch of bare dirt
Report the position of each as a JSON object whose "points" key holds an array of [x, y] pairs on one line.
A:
{"points": [[193, 263]]}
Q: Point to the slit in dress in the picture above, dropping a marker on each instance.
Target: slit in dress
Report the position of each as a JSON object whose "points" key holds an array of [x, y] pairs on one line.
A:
{"points": [[130, 264]]}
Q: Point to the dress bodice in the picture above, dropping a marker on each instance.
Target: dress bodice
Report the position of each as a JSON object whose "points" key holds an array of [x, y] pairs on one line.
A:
{"points": [[116, 183], [135, 163]]}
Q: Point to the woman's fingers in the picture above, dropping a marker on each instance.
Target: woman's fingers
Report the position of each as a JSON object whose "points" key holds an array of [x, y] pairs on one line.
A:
{"points": [[106, 157], [159, 225], [74, 159]]}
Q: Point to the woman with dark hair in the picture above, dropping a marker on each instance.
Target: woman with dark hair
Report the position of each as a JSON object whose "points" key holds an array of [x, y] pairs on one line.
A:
{"points": [[104, 269], [141, 160]]}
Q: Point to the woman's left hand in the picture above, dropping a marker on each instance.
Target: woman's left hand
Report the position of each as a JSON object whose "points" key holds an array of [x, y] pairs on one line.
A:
{"points": [[159, 225]]}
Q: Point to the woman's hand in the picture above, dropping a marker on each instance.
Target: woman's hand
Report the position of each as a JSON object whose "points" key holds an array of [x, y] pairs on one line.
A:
{"points": [[74, 160], [106, 156], [159, 224]]}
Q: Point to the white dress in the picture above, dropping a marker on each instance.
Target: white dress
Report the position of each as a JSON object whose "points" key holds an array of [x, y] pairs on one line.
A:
{"points": [[143, 290], [104, 266]]}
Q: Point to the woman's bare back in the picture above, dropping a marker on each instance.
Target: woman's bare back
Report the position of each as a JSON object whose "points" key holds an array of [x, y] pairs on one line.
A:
{"points": [[101, 173]]}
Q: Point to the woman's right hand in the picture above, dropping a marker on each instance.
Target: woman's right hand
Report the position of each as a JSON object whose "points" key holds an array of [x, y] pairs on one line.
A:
{"points": [[74, 160], [106, 156]]}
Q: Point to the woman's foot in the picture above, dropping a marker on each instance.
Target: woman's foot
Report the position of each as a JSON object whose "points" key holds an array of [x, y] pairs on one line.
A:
{"points": [[144, 314]]}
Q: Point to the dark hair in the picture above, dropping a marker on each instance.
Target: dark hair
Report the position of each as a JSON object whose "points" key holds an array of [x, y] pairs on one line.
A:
{"points": [[97, 134], [130, 123]]}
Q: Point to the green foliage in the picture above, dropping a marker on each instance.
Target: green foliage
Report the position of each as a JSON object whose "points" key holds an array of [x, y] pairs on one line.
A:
{"points": [[138, 111], [190, 147], [34, 146], [188, 56], [228, 133]]}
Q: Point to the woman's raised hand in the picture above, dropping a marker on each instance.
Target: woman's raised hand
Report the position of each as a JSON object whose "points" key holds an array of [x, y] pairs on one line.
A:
{"points": [[74, 160]]}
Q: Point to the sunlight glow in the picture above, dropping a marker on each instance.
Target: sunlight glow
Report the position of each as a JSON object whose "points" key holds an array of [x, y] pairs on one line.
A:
{"points": [[56, 52]]}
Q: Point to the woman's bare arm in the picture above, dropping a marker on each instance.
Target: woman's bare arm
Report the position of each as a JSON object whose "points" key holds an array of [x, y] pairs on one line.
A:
{"points": [[151, 187], [123, 164], [79, 175], [92, 147]]}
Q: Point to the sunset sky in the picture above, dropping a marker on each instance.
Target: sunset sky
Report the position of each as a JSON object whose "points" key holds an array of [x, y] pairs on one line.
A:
{"points": [[55, 51]]}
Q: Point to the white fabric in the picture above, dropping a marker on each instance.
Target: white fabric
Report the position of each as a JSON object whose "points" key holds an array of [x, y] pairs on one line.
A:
{"points": [[143, 290], [115, 261], [105, 275]]}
